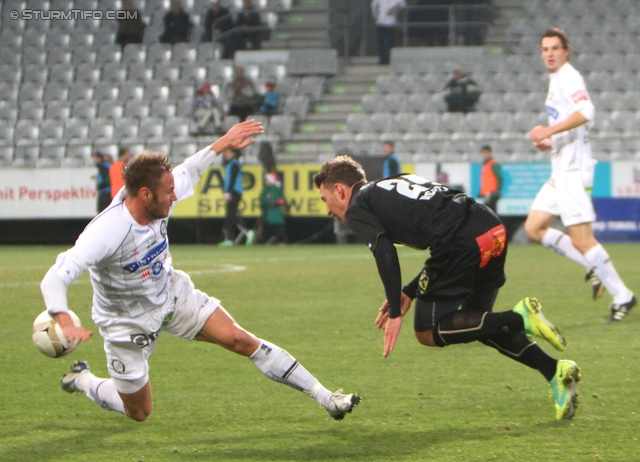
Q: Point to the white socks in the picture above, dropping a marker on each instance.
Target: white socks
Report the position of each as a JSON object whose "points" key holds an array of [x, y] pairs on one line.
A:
{"points": [[599, 260], [561, 243], [596, 258], [101, 391], [278, 365]]}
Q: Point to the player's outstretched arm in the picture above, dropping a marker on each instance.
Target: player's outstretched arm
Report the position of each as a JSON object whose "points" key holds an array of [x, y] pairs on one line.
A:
{"points": [[238, 137], [69, 329], [383, 312]]}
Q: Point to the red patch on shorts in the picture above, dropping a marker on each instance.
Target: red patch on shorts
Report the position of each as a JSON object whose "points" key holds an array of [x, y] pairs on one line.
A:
{"points": [[491, 244]]}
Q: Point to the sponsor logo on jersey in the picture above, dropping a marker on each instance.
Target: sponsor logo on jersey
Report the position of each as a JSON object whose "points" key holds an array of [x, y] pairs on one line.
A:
{"points": [[156, 268], [145, 274], [552, 112], [148, 258], [580, 95], [141, 231], [163, 228], [491, 244]]}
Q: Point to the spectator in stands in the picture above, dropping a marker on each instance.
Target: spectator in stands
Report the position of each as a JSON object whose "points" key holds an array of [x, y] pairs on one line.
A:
{"points": [[241, 94], [490, 178], [271, 203], [206, 108], [462, 95], [391, 165], [270, 100], [116, 170], [385, 16], [247, 20], [103, 184], [217, 21], [131, 26], [177, 25]]}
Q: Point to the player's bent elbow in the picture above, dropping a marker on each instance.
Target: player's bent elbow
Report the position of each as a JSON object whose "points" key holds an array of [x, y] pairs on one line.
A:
{"points": [[139, 415]]}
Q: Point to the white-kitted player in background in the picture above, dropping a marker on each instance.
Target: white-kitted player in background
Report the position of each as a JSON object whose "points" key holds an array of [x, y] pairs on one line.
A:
{"points": [[567, 193], [137, 294]]}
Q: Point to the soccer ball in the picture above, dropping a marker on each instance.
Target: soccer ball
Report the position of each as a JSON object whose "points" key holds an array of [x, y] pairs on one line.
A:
{"points": [[47, 335]]}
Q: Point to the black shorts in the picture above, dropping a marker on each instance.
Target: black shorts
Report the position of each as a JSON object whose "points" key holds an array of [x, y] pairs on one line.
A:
{"points": [[471, 264]]}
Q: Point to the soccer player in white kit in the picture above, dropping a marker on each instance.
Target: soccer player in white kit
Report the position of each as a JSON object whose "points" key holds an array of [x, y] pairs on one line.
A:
{"points": [[567, 193], [138, 294]]}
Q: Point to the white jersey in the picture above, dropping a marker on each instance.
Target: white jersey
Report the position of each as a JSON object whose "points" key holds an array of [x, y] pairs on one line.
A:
{"points": [[129, 264], [385, 11], [567, 95]]}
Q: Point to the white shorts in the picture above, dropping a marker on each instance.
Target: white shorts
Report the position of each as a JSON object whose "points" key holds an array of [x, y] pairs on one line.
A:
{"points": [[128, 345], [567, 195]]}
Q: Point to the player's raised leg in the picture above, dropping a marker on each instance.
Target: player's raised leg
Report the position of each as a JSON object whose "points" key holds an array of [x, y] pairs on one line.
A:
{"points": [[274, 362]]}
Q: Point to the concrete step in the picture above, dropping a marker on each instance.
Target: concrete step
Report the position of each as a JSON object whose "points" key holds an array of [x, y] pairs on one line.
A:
{"points": [[306, 147], [309, 127], [355, 78], [311, 19], [330, 116], [349, 88], [311, 137], [277, 44], [365, 70], [325, 107]]}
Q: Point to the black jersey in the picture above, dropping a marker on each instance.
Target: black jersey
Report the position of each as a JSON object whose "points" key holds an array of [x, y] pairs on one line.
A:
{"points": [[409, 210]]}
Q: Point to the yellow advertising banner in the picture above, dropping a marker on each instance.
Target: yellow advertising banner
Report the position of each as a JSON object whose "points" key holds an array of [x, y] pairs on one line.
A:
{"points": [[302, 198]]}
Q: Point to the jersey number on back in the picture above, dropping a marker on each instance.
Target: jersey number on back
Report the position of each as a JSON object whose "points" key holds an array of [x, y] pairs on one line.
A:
{"points": [[409, 186]]}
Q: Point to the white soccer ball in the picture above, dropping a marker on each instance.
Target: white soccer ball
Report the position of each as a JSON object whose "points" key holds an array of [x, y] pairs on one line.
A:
{"points": [[47, 335]]}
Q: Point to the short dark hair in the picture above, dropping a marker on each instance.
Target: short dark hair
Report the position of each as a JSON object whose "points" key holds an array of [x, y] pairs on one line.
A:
{"points": [[145, 170], [557, 32], [341, 169], [486, 147]]}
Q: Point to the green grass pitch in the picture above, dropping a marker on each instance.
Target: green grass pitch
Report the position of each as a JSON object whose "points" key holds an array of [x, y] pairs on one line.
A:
{"points": [[464, 402]]}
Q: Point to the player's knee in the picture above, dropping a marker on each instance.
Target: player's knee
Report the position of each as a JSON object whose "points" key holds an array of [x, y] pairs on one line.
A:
{"points": [[533, 231], [426, 338]]}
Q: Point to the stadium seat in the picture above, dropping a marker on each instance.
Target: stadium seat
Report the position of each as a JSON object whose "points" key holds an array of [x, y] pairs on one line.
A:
{"points": [[136, 109], [131, 91], [311, 86], [6, 155], [109, 109], [6, 134], [396, 102], [25, 156], [180, 150], [419, 102], [51, 132], [152, 129], [87, 73], [138, 73], [76, 130], [51, 155], [35, 74], [184, 53], [176, 129], [381, 122], [134, 53], [296, 105], [106, 91], [126, 130], [32, 110], [163, 108], [156, 91], [167, 72], [372, 102], [83, 109], [158, 53], [77, 155], [30, 92], [58, 110], [193, 73], [280, 125], [114, 73], [8, 114], [61, 73], [358, 123], [102, 130]]}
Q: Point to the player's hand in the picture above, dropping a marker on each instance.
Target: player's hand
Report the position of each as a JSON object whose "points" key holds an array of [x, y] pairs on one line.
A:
{"points": [[539, 133], [543, 145], [239, 136], [70, 330], [383, 312], [391, 332]]}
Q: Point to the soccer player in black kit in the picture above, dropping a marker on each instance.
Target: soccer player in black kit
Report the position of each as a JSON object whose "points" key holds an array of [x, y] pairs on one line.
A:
{"points": [[456, 289]]}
